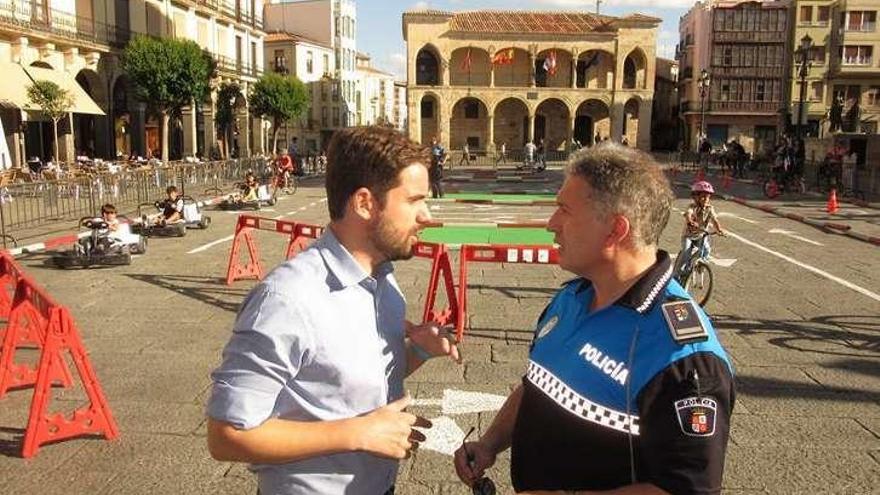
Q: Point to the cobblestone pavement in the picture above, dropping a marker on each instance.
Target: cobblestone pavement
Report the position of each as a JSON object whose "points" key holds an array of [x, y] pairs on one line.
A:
{"points": [[798, 312]]}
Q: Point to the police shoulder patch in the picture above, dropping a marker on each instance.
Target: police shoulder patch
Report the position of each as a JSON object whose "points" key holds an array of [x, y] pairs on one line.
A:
{"points": [[684, 322], [696, 416]]}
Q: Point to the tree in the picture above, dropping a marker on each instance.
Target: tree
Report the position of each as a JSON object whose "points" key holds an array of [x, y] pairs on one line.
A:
{"points": [[168, 74], [229, 101], [280, 99], [53, 101]]}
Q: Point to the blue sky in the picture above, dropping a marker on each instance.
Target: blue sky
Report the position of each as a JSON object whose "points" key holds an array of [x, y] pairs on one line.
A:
{"points": [[380, 33]]}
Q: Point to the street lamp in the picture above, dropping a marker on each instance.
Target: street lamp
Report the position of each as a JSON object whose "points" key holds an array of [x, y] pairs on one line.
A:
{"points": [[805, 64], [704, 83]]}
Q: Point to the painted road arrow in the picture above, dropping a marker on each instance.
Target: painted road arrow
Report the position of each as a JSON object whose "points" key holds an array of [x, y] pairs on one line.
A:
{"points": [[464, 402], [443, 436], [791, 234]]}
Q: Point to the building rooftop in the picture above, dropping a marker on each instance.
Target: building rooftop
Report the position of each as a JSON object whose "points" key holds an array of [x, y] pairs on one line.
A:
{"points": [[523, 21], [294, 38]]}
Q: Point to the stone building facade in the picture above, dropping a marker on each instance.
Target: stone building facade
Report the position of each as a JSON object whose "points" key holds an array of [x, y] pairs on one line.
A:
{"points": [[488, 78]]}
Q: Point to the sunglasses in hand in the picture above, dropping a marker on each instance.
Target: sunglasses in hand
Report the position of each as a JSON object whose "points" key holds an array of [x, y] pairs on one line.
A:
{"points": [[484, 485]]}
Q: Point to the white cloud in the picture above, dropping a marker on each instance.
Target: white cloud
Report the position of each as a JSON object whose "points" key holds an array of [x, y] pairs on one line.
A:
{"points": [[666, 41], [420, 6]]}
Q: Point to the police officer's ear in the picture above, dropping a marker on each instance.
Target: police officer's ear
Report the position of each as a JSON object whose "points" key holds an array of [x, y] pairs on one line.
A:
{"points": [[620, 233], [363, 204]]}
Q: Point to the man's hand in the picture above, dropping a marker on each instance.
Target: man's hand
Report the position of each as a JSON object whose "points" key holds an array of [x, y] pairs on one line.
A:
{"points": [[435, 340], [388, 431], [472, 460]]}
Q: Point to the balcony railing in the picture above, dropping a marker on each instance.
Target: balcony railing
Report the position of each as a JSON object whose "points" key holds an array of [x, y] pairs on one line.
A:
{"points": [[240, 67], [23, 17], [743, 106], [231, 10]]}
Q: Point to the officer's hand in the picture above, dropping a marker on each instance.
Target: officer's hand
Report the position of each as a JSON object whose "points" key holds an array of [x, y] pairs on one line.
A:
{"points": [[388, 431], [472, 460], [436, 340]]}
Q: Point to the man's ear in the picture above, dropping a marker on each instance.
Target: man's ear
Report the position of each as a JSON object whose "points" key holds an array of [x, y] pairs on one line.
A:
{"points": [[363, 204], [621, 231]]}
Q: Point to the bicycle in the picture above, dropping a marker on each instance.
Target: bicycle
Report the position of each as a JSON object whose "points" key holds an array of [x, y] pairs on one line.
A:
{"points": [[692, 269]]}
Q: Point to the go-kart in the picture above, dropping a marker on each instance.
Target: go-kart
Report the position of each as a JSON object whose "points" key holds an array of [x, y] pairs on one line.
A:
{"points": [[192, 218], [236, 201], [101, 247]]}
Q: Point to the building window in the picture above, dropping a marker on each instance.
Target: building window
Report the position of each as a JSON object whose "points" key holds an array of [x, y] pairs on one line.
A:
{"points": [[323, 91], [823, 15], [817, 55], [334, 90], [859, 20], [759, 91], [856, 55], [310, 63], [326, 67], [324, 117], [427, 109], [872, 96], [725, 91], [806, 15], [280, 62], [335, 116], [471, 110], [816, 90], [728, 56]]}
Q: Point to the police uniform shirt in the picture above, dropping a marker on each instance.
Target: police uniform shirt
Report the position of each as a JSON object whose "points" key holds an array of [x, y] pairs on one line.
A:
{"points": [[645, 376], [318, 340]]}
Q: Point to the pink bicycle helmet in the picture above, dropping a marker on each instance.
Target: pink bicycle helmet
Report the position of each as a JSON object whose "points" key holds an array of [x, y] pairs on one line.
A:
{"points": [[702, 186]]}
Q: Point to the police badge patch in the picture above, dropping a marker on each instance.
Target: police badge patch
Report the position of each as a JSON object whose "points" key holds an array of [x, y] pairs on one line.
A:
{"points": [[551, 323], [684, 322], [696, 416]]}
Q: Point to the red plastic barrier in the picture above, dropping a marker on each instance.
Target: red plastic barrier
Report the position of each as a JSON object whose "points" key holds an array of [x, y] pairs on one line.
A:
{"points": [[483, 253], [9, 273], [33, 313], [299, 234], [440, 267]]}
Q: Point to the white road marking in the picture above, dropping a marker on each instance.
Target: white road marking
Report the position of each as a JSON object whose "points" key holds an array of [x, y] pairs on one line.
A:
{"points": [[210, 245], [813, 269], [731, 215], [464, 402], [722, 262], [444, 436], [791, 234]]}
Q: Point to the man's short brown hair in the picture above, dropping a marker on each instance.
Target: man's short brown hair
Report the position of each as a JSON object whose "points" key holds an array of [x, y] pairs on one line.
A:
{"points": [[370, 157]]}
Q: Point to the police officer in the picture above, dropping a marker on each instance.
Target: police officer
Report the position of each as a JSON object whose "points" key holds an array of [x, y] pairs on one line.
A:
{"points": [[624, 366]]}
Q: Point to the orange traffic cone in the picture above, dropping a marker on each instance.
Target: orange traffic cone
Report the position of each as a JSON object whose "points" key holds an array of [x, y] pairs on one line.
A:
{"points": [[832, 202]]}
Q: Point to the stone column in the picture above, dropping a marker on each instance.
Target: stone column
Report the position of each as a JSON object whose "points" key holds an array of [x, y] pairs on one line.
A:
{"points": [[491, 74], [643, 138], [210, 130], [444, 81], [532, 81], [414, 118], [490, 136], [444, 125], [259, 145], [574, 73], [571, 122], [244, 145], [188, 122], [66, 142], [617, 116], [531, 134]]}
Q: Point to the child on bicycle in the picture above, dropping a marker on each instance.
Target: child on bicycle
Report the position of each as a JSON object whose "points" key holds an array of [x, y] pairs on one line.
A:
{"points": [[699, 215]]}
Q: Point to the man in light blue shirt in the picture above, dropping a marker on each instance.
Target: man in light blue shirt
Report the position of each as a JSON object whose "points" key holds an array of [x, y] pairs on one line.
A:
{"points": [[310, 391]]}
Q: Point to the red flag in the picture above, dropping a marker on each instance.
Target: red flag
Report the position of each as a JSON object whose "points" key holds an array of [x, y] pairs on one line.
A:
{"points": [[467, 62], [503, 57], [550, 63]]}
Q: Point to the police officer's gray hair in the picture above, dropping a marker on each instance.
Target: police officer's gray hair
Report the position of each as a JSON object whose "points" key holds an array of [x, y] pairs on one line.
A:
{"points": [[628, 182]]}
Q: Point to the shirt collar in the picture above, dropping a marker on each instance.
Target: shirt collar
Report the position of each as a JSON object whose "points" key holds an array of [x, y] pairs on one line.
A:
{"points": [[642, 295], [342, 264]]}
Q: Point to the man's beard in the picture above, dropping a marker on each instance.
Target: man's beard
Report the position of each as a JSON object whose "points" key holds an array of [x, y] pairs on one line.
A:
{"points": [[388, 242]]}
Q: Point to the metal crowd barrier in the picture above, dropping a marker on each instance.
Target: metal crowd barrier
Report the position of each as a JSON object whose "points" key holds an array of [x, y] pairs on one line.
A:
{"points": [[32, 204]]}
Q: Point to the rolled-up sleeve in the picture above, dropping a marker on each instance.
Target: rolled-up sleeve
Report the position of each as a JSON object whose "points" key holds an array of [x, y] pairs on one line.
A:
{"points": [[268, 346]]}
